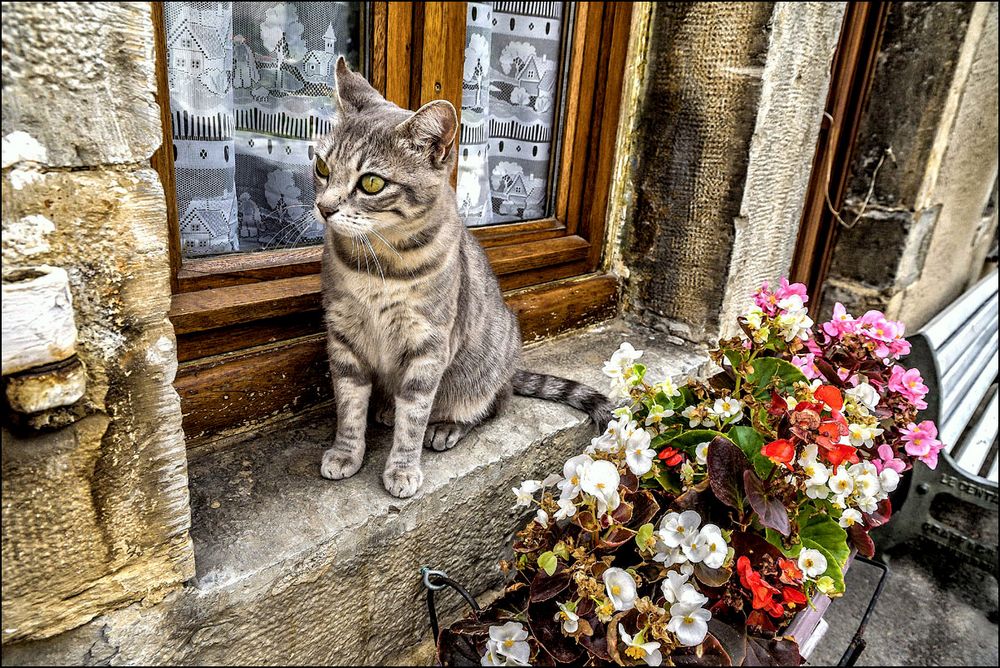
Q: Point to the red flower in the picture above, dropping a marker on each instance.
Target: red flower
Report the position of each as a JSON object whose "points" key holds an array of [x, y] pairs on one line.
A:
{"points": [[792, 597], [763, 593], [781, 451], [841, 453], [830, 396], [778, 405], [790, 572], [671, 457]]}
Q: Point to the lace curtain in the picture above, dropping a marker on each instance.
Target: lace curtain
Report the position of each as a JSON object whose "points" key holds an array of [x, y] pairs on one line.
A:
{"points": [[250, 86], [510, 83]]}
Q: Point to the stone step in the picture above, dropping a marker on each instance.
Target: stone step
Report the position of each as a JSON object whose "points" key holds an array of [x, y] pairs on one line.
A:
{"points": [[292, 568]]}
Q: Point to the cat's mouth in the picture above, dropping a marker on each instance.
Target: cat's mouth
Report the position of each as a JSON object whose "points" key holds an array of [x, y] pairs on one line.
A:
{"points": [[348, 226]]}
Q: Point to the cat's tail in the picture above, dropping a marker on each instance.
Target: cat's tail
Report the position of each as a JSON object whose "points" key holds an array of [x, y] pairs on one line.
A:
{"points": [[577, 395]]}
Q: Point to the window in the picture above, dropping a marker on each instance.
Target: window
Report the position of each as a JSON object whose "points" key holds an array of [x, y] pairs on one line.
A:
{"points": [[538, 86]]}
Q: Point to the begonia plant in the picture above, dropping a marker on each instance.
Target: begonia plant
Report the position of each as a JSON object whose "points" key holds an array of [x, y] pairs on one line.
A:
{"points": [[709, 513]]}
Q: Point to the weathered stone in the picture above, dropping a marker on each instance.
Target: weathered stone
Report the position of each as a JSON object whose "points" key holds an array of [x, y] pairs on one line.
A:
{"points": [[78, 80], [795, 86], [38, 325], [110, 234], [58, 385], [728, 136], [293, 568]]}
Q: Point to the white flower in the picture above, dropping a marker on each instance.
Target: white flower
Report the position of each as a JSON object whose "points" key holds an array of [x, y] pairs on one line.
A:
{"points": [[754, 317], [817, 491], [566, 509], [687, 473], [675, 527], [657, 413], [818, 474], [864, 395], [542, 517], [625, 356], [667, 387], [620, 587], [860, 434], [727, 408], [695, 546], [492, 658], [647, 651], [812, 563], [701, 453], [715, 546], [867, 486], [889, 480], [526, 492], [668, 556], [849, 518], [638, 455], [809, 453], [570, 620], [509, 642], [677, 589], [794, 321], [600, 480], [841, 482], [697, 415], [867, 504], [572, 475], [689, 622]]}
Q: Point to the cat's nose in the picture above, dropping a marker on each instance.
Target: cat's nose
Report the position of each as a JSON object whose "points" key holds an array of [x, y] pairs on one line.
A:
{"points": [[327, 211]]}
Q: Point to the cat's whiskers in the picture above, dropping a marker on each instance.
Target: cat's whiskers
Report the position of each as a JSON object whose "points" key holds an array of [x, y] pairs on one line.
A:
{"points": [[387, 244], [374, 256]]}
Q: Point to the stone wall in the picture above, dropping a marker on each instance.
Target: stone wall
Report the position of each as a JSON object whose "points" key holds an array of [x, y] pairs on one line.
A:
{"points": [[733, 106], [95, 498], [917, 221]]}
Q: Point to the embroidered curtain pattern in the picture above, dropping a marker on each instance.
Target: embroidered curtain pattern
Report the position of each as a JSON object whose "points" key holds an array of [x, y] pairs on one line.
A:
{"points": [[250, 86], [510, 82]]}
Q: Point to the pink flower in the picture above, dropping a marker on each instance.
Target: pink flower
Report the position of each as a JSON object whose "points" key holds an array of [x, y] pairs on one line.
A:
{"points": [[841, 323], [765, 299], [899, 347], [786, 290], [921, 442], [813, 347], [806, 365], [909, 383], [888, 460]]}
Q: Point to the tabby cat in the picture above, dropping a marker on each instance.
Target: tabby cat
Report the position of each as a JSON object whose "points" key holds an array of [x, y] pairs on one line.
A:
{"points": [[413, 309]]}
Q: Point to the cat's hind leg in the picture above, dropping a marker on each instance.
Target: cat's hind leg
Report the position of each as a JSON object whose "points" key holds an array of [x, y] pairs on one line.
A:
{"points": [[444, 435]]}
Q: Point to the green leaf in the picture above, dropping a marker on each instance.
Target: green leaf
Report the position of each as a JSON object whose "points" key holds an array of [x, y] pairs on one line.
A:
{"points": [[560, 550], [689, 440], [834, 569], [548, 562], [771, 372], [826, 533], [670, 482], [645, 533], [751, 442]]}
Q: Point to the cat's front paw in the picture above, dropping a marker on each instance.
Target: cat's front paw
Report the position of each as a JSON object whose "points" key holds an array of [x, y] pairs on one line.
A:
{"points": [[338, 464], [402, 481]]}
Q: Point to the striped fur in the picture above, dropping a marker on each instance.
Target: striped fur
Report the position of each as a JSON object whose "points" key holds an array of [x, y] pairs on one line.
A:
{"points": [[412, 307]]}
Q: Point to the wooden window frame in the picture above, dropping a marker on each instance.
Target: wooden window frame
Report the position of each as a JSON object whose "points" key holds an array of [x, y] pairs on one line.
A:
{"points": [[248, 305]]}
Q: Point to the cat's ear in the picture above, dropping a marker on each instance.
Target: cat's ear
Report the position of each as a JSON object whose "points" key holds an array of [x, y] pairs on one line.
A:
{"points": [[353, 92], [432, 129]]}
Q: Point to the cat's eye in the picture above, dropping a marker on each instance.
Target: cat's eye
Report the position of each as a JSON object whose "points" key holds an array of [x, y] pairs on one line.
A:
{"points": [[322, 170], [372, 183]]}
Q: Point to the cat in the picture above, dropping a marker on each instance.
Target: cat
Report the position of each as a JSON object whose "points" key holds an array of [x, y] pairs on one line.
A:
{"points": [[412, 307]]}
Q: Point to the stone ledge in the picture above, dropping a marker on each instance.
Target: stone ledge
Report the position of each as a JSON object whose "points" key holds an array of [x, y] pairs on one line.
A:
{"points": [[295, 568]]}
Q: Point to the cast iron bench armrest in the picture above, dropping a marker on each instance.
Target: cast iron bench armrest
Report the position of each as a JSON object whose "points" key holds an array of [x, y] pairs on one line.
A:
{"points": [[957, 356]]}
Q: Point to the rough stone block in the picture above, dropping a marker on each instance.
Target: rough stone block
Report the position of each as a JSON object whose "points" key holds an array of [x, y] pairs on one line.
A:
{"points": [[295, 569], [107, 229], [78, 80]]}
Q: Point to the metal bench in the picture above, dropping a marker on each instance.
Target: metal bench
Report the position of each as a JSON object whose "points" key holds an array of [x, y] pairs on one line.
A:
{"points": [[957, 356]]}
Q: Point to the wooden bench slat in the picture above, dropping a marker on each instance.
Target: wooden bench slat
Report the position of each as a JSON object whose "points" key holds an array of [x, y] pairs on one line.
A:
{"points": [[962, 398], [957, 376], [960, 346], [992, 477], [978, 440], [944, 324]]}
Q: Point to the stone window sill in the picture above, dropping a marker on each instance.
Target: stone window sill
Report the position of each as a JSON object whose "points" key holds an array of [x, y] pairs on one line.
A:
{"points": [[282, 545]]}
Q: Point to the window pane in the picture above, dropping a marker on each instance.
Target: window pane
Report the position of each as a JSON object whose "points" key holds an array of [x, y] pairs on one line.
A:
{"points": [[250, 86], [510, 84]]}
